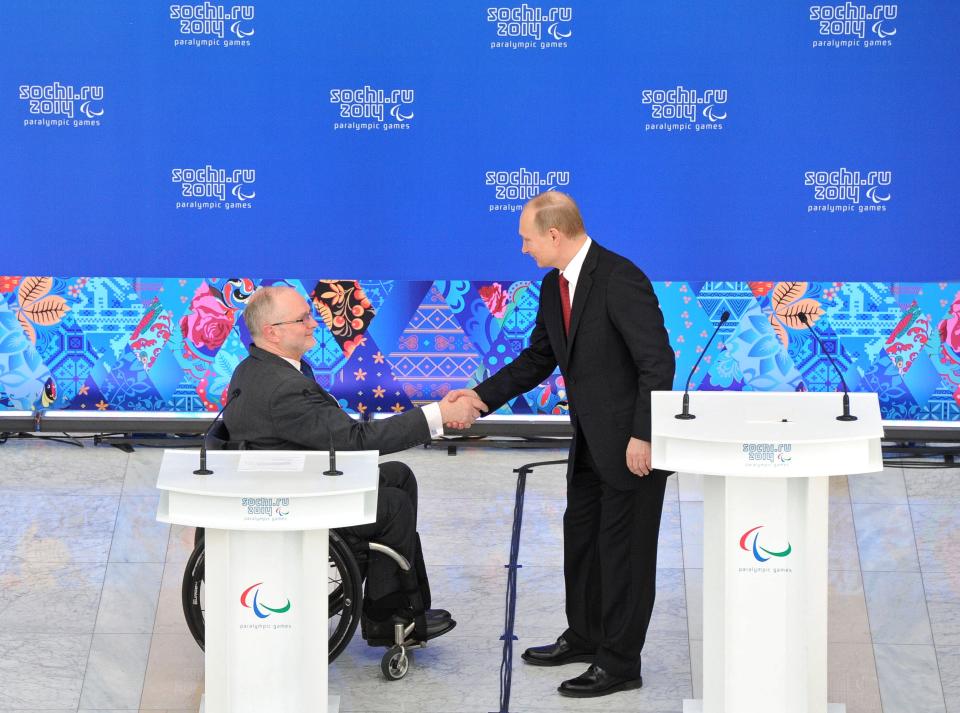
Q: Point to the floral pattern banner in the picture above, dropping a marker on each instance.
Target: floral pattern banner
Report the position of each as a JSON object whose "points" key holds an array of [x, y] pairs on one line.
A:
{"points": [[171, 344]]}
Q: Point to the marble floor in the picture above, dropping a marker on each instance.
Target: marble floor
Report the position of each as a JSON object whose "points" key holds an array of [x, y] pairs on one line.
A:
{"points": [[90, 616]]}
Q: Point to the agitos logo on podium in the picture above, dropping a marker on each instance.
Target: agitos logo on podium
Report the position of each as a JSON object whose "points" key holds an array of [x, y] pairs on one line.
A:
{"points": [[757, 548], [261, 610]]}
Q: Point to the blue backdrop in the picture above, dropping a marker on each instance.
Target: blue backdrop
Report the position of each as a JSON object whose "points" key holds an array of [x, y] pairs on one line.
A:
{"points": [[706, 140]]}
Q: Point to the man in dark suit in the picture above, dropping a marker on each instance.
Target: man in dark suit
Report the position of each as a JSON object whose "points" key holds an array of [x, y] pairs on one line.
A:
{"points": [[281, 406], [600, 321]]}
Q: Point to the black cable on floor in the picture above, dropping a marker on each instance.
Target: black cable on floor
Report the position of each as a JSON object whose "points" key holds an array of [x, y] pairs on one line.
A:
{"points": [[510, 609]]}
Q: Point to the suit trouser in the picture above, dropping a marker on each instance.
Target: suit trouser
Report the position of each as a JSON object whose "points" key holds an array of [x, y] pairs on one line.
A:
{"points": [[610, 563], [396, 527]]}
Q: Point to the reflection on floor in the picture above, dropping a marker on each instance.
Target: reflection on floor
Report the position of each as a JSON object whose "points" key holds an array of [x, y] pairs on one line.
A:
{"points": [[90, 616]]}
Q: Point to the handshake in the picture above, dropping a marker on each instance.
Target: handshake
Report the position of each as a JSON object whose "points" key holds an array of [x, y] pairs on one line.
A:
{"points": [[460, 408]]}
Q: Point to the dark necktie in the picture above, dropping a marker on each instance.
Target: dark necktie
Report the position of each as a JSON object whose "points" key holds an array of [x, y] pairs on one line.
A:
{"points": [[565, 303], [306, 369]]}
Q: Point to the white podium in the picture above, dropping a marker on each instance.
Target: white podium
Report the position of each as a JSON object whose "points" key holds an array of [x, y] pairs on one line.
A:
{"points": [[765, 458], [266, 515]]}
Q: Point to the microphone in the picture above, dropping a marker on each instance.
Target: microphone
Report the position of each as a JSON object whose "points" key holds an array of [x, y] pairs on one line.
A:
{"points": [[333, 460], [333, 453], [685, 415], [846, 415], [203, 470]]}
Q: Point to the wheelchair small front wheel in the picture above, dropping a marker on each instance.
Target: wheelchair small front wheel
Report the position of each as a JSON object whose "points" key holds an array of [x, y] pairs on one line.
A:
{"points": [[394, 663]]}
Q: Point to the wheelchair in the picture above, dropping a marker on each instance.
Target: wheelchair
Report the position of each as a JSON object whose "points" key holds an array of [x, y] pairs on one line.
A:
{"points": [[347, 564]]}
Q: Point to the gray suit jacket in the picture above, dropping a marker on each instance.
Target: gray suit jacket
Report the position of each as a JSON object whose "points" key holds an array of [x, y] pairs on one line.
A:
{"points": [[280, 408]]}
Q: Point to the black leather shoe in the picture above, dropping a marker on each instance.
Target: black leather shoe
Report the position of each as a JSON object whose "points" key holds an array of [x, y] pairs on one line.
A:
{"points": [[437, 628], [381, 633], [597, 682], [437, 615], [556, 654]]}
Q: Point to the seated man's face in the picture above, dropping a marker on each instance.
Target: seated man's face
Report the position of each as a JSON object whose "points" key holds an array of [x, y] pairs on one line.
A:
{"points": [[294, 338]]}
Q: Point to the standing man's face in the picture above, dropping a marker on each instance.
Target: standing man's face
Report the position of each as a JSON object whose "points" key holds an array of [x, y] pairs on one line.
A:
{"points": [[542, 247]]}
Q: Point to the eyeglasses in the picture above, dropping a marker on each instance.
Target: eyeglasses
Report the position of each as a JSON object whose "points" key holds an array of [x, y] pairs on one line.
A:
{"points": [[302, 320]]}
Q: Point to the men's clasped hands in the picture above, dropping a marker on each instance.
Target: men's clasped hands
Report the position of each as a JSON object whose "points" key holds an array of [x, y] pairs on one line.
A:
{"points": [[638, 451], [461, 408]]}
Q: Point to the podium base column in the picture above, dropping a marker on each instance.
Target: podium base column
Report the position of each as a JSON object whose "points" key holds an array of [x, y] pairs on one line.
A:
{"points": [[695, 705], [333, 704]]}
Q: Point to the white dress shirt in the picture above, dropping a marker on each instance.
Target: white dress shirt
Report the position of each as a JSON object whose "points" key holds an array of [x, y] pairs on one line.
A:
{"points": [[572, 271]]}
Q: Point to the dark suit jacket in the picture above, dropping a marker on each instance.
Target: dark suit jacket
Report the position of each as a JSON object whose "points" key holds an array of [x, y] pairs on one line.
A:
{"points": [[616, 354], [280, 408]]}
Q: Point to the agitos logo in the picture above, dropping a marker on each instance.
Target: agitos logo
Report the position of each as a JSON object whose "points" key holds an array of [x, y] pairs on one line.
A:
{"points": [[757, 548], [261, 610]]}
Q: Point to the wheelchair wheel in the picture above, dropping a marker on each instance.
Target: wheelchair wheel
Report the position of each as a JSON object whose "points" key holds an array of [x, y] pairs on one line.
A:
{"points": [[191, 593], [344, 596]]}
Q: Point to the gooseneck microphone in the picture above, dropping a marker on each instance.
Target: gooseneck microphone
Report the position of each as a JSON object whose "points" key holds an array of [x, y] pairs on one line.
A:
{"points": [[846, 415], [685, 415], [333, 452], [203, 470]]}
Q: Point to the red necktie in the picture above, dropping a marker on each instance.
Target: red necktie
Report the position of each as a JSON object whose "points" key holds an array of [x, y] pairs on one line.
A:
{"points": [[565, 303]]}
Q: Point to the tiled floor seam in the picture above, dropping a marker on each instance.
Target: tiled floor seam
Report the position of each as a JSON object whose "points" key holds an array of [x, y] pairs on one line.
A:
{"points": [[103, 584], [926, 601], [153, 636], [686, 598], [856, 538], [123, 488]]}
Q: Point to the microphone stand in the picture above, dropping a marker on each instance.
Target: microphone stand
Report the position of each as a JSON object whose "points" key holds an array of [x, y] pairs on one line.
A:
{"points": [[846, 415], [685, 414], [203, 470], [333, 453], [333, 461]]}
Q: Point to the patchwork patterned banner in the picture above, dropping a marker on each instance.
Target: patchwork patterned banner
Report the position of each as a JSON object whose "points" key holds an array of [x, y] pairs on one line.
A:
{"points": [[171, 344]]}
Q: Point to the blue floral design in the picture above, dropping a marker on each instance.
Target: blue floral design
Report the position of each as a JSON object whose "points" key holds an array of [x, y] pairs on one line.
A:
{"points": [[22, 370], [764, 363]]}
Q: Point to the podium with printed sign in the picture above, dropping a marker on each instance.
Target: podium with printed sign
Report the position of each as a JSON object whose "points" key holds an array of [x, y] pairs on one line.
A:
{"points": [[766, 459], [267, 515]]}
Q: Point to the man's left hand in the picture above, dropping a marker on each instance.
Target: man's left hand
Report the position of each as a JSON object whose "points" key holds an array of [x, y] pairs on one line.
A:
{"points": [[638, 457]]}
